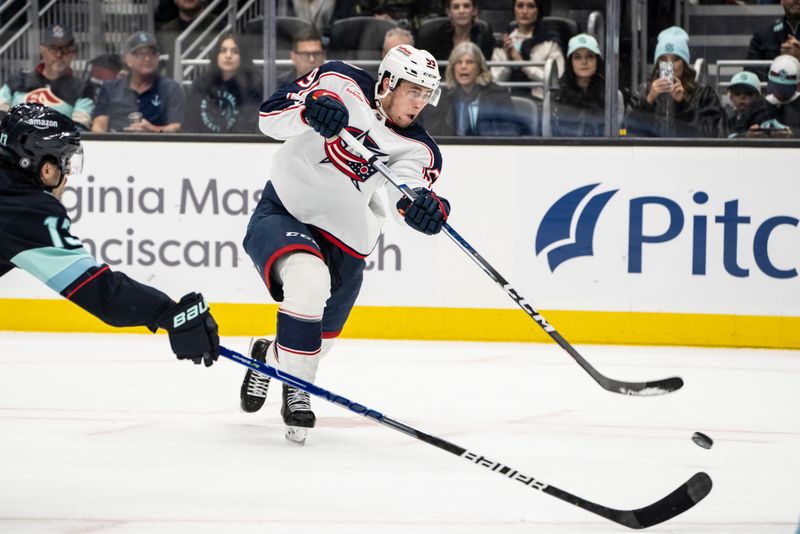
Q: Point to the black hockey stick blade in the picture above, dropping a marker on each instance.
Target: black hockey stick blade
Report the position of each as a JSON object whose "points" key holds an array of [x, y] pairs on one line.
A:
{"points": [[642, 389], [654, 387], [686, 496]]}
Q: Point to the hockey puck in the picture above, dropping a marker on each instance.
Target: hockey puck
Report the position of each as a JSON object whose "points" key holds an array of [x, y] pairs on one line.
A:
{"points": [[701, 440]]}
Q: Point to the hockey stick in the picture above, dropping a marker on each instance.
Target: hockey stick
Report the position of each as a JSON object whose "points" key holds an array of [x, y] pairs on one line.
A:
{"points": [[654, 387], [687, 495]]}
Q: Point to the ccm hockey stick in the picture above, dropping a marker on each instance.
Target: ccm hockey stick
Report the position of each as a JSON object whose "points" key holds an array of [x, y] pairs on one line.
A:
{"points": [[687, 495], [654, 387]]}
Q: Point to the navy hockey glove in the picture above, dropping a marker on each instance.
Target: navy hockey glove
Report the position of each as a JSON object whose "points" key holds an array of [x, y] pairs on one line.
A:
{"points": [[326, 113], [427, 213], [193, 333]]}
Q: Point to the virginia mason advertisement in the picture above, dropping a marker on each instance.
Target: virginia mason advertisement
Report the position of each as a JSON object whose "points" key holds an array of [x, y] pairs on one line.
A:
{"points": [[611, 229]]}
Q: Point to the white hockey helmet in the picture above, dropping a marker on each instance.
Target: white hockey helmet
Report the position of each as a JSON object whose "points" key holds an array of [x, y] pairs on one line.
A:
{"points": [[404, 62]]}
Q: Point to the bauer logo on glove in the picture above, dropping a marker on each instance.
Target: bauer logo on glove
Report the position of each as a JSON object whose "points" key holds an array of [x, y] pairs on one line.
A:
{"points": [[191, 313], [193, 332]]}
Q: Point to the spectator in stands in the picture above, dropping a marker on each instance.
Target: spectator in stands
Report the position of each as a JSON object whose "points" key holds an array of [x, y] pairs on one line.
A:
{"points": [[473, 105], [527, 42], [579, 102], [307, 54], [781, 37], [52, 81], [394, 37], [227, 97], [142, 100], [779, 114], [783, 98], [188, 12], [463, 27], [672, 103], [743, 90], [165, 11]]}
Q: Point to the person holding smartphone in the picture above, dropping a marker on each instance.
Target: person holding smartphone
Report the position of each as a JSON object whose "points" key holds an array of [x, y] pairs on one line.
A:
{"points": [[672, 103]]}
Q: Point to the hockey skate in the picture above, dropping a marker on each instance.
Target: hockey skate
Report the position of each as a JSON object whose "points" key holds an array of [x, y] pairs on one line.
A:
{"points": [[297, 414], [255, 385]]}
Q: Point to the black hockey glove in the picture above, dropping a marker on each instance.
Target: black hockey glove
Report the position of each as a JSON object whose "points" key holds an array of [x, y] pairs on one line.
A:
{"points": [[193, 333], [427, 213], [326, 113]]}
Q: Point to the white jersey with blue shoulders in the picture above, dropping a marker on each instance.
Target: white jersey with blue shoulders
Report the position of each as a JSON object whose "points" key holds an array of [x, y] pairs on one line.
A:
{"points": [[329, 186]]}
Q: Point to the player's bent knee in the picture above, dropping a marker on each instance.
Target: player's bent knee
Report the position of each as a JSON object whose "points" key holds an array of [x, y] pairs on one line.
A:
{"points": [[306, 282], [327, 345]]}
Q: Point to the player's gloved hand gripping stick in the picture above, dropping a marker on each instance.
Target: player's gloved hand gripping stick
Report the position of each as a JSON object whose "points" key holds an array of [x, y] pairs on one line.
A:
{"points": [[193, 332], [655, 387], [325, 112]]}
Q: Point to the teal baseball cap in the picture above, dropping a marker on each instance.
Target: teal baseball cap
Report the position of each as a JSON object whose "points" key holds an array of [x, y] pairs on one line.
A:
{"points": [[746, 80], [583, 40]]}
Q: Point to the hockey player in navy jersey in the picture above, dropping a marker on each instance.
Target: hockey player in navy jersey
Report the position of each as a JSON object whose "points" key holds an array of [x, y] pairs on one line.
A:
{"points": [[320, 213], [39, 148]]}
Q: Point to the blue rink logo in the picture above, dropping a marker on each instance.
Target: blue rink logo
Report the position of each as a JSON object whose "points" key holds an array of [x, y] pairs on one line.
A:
{"points": [[567, 232], [556, 226]]}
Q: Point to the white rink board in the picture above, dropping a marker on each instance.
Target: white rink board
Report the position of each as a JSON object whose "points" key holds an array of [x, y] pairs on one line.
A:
{"points": [[499, 196]]}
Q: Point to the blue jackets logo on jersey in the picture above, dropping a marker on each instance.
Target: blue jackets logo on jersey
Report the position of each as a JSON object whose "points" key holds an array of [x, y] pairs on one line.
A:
{"points": [[350, 163], [557, 224]]}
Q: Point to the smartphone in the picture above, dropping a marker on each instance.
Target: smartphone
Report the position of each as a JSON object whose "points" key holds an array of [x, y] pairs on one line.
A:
{"points": [[665, 69]]}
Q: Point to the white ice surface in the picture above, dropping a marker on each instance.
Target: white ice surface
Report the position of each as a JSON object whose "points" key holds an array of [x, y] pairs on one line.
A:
{"points": [[110, 434]]}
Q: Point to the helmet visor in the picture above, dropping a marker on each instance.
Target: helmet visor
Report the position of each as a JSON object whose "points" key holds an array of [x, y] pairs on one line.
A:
{"points": [[72, 163], [423, 95], [434, 99]]}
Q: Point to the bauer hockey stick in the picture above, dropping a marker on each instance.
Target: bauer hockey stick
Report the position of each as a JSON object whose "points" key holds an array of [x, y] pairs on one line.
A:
{"points": [[654, 387], [684, 497]]}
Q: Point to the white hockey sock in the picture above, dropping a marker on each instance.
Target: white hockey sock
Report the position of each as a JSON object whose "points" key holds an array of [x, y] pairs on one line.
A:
{"points": [[306, 288]]}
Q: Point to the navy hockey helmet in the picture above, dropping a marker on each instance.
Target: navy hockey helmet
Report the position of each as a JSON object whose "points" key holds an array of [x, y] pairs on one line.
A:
{"points": [[32, 134]]}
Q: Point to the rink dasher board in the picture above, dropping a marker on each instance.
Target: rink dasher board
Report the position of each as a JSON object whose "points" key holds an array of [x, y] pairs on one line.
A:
{"points": [[672, 245]]}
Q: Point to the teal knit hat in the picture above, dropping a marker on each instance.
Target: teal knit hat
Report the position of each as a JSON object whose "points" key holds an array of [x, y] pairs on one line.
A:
{"points": [[673, 44], [673, 32], [673, 40]]}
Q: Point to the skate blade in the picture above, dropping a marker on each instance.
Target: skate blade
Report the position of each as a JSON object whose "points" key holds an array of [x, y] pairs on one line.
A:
{"points": [[296, 434]]}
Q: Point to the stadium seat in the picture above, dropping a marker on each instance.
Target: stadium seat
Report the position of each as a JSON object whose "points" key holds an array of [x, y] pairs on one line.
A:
{"points": [[527, 110], [498, 13], [565, 28], [358, 37], [430, 30], [285, 27]]}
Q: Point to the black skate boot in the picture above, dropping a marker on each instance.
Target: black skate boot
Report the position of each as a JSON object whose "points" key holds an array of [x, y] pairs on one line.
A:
{"points": [[254, 388], [297, 414]]}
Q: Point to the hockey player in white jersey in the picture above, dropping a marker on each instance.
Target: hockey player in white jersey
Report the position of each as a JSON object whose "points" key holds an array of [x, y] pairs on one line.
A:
{"points": [[320, 213]]}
